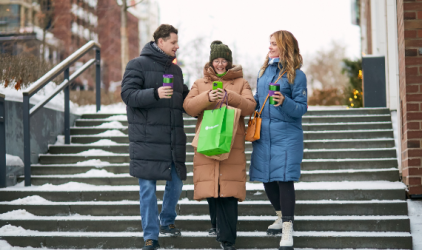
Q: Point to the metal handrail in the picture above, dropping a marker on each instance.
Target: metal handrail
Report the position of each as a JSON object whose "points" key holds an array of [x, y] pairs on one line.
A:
{"points": [[59, 68], [62, 67]]}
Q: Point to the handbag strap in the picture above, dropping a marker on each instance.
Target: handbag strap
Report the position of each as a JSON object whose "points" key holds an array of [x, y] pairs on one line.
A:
{"points": [[266, 99]]}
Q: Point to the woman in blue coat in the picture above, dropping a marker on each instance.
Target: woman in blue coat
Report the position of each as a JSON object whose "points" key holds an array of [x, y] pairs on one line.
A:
{"points": [[277, 155]]}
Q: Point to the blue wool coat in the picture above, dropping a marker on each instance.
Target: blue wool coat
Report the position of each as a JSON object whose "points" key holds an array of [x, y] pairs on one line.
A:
{"points": [[278, 154]]}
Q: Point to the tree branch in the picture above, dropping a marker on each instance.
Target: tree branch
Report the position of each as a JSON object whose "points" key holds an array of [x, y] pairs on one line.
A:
{"points": [[134, 4]]}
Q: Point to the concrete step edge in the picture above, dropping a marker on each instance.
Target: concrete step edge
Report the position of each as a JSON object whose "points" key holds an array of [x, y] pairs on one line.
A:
{"points": [[205, 234], [205, 217], [126, 175]]}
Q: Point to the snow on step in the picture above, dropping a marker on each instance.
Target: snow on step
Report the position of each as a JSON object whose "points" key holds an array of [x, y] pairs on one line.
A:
{"points": [[22, 214], [104, 173], [348, 159], [9, 230], [37, 200], [339, 185]]}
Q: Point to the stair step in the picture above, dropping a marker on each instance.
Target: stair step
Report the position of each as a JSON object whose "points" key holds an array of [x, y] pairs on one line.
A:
{"points": [[246, 208], [308, 135], [307, 165], [202, 223], [190, 240], [391, 174], [308, 144], [353, 111], [306, 127], [306, 119], [349, 190], [322, 112], [113, 157], [361, 190]]}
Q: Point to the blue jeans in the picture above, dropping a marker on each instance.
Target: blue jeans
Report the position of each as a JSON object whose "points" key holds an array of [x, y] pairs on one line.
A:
{"points": [[149, 208]]}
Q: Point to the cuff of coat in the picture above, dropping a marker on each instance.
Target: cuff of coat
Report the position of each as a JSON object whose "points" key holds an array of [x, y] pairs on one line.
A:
{"points": [[157, 97], [288, 105], [234, 98]]}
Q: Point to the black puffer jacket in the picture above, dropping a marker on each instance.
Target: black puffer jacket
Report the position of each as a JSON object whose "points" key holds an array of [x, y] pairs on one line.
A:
{"points": [[156, 132]]}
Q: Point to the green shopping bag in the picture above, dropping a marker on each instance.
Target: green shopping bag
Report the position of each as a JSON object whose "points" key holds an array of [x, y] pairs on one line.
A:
{"points": [[216, 133]]}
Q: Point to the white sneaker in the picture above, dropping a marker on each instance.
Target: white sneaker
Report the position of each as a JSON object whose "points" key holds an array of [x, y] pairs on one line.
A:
{"points": [[277, 226], [286, 242]]}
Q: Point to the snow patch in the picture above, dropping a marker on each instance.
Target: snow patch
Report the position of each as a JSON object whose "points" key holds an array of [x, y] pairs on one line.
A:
{"points": [[9, 229], [117, 118], [93, 162], [34, 199], [57, 103], [60, 140], [12, 160], [95, 173], [95, 152], [113, 132], [17, 214], [333, 107], [104, 142], [113, 124], [116, 108], [415, 215]]}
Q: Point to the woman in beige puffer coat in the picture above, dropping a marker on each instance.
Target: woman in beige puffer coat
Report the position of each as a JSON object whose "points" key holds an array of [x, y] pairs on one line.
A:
{"points": [[222, 183]]}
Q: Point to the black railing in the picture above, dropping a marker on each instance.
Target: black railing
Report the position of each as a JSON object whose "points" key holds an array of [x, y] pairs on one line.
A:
{"points": [[3, 170], [62, 67]]}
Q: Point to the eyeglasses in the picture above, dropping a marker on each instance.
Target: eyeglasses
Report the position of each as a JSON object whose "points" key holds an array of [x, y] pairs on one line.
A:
{"points": [[220, 62]]}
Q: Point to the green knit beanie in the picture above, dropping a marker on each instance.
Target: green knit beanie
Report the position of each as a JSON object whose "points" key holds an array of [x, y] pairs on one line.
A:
{"points": [[220, 50]]}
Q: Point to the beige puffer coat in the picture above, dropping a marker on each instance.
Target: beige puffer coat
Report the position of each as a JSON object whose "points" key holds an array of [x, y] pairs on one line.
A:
{"points": [[226, 178]]}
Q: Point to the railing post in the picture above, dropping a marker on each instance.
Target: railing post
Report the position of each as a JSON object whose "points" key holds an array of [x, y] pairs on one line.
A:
{"points": [[26, 141], [3, 170], [66, 109], [98, 78]]}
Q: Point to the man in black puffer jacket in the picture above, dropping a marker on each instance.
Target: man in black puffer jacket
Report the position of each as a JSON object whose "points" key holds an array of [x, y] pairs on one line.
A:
{"points": [[157, 139]]}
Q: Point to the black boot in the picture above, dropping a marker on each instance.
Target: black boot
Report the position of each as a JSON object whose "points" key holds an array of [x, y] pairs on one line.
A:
{"points": [[170, 230], [151, 245], [227, 246], [212, 231]]}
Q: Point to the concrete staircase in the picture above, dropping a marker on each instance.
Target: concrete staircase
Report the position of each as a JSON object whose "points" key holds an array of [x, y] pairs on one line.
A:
{"points": [[349, 195]]}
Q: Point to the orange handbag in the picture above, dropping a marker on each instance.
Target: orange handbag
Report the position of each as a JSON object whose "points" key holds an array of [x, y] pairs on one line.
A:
{"points": [[253, 132]]}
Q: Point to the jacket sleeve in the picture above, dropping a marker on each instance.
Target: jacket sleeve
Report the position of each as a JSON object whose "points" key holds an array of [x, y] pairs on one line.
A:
{"points": [[244, 101], [185, 91], [133, 93], [297, 105], [196, 102], [256, 96]]}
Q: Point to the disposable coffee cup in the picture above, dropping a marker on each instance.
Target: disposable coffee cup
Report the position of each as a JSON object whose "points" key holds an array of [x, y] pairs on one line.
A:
{"points": [[168, 81], [273, 87]]}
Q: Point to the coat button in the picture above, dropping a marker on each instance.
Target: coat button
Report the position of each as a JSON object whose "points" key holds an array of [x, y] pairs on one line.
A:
{"points": [[221, 174]]}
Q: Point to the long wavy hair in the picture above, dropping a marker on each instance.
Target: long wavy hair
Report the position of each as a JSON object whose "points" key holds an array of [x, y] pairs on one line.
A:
{"points": [[290, 57]]}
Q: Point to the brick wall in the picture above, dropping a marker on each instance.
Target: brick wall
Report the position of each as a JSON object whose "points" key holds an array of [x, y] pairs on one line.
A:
{"points": [[109, 37], [409, 23], [62, 26]]}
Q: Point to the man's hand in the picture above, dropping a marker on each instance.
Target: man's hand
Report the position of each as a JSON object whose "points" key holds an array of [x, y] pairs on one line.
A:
{"points": [[279, 98], [165, 92], [215, 95]]}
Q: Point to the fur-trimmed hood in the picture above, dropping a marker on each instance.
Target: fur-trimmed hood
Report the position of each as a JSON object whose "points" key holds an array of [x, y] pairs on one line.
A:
{"points": [[233, 73]]}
